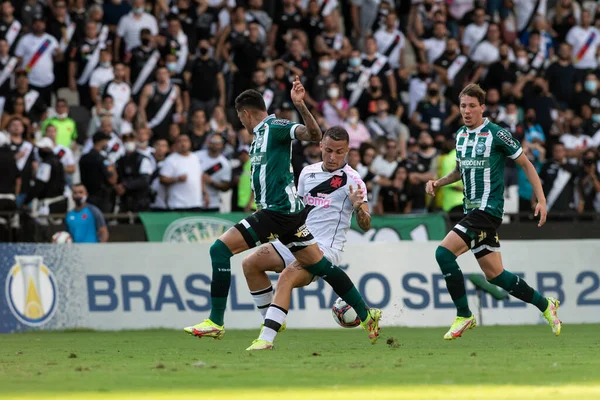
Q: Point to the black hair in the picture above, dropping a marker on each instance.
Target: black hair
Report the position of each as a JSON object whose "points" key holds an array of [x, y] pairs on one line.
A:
{"points": [[337, 133], [250, 99]]}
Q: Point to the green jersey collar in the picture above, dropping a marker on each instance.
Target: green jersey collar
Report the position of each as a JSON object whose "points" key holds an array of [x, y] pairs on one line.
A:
{"points": [[480, 127], [257, 127]]}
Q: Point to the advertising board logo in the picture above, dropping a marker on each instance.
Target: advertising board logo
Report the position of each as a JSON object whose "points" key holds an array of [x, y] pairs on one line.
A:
{"points": [[31, 291], [196, 230]]}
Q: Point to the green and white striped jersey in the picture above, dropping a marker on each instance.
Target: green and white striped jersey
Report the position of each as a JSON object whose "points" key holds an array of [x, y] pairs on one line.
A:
{"points": [[481, 155], [272, 174]]}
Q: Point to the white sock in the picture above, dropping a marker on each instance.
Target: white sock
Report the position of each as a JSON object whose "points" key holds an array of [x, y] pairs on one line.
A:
{"points": [[262, 299], [273, 320]]}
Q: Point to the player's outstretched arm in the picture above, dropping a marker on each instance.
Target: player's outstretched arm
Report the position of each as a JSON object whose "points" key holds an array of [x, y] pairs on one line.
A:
{"points": [[446, 180], [310, 131], [533, 178]]}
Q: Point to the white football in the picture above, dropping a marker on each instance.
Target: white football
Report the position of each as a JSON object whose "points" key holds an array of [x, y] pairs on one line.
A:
{"points": [[62, 237], [344, 314]]}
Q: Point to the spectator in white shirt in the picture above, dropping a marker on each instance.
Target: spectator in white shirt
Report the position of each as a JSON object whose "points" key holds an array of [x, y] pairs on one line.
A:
{"points": [[182, 174], [474, 32], [585, 40], [118, 88], [101, 75], [37, 52], [216, 171], [431, 49], [130, 26]]}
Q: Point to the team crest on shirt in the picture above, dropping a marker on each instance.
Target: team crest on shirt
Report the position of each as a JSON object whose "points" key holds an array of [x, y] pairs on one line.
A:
{"points": [[480, 148]]}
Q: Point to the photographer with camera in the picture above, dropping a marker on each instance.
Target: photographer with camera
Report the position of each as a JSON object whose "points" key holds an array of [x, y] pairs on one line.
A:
{"points": [[589, 184]]}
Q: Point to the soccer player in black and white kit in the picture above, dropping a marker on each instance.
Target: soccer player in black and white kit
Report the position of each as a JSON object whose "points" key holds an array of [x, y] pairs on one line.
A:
{"points": [[332, 191]]}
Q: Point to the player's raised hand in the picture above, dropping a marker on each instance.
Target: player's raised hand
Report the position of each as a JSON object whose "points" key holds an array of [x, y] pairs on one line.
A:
{"points": [[356, 198], [298, 91], [430, 188], [540, 209]]}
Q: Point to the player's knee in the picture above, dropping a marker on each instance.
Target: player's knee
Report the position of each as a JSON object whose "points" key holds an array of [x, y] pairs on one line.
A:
{"points": [[444, 256], [219, 251]]}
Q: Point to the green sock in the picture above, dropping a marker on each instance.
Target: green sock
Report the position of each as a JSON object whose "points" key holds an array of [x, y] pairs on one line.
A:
{"points": [[520, 289], [455, 281], [341, 284], [220, 255]]}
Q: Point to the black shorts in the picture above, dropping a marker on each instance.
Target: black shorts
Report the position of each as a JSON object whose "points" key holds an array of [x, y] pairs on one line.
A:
{"points": [[265, 225], [479, 231]]}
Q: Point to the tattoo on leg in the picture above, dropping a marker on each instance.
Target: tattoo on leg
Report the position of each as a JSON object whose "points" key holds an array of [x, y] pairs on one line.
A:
{"points": [[263, 250]]}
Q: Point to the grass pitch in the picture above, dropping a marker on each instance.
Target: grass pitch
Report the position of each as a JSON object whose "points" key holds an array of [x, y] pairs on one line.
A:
{"points": [[487, 363]]}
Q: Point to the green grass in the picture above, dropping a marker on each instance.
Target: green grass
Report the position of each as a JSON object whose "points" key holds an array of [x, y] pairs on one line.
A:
{"points": [[528, 361]]}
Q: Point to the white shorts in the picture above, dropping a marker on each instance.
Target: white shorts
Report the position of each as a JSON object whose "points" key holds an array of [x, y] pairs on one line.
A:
{"points": [[332, 255]]}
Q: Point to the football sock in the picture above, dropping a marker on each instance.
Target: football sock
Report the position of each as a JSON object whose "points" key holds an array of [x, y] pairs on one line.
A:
{"points": [[273, 320], [520, 289], [220, 256], [262, 299], [341, 284], [455, 281]]}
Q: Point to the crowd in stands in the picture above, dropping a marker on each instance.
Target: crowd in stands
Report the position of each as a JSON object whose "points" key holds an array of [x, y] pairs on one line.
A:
{"points": [[134, 98]]}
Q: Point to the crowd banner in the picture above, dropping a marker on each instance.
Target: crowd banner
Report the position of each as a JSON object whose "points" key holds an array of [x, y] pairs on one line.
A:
{"points": [[150, 285], [175, 227]]}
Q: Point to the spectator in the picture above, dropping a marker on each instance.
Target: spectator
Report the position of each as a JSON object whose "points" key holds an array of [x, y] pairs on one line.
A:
{"points": [[452, 195], [182, 175], [297, 60], [176, 43], [383, 167], [10, 27], [397, 197], [589, 184], [16, 109], [130, 26], [487, 52], [435, 113], [118, 89], [536, 95], [261, 85], [417, 86], [286, 24], [103, 74], [10, 181], [64, 154], [105, 109], [311, 154], [8, 65], [332, 43], [422, 167], [533, 131], [24, 153], [66, 129], [493, 110], [219, 124], [369, 100], [575, 142], [37, 52], [356, 129], [335, 108], [130, 120], [475, 32], [206, 80], [391, 42], [536, 154], [134, 172], [377, 64], [85, 223], [321, 81], [591, 95], [161, 105], [62, 29], [257, 15], [158, 190], [431, 49], [85, 57], [143, 60], [585, 42], [245, 197], [385, 125], [98, 174], [561, 77], [559, 180], [50, 181], [216, 172], [248, 54], [564, 17]]}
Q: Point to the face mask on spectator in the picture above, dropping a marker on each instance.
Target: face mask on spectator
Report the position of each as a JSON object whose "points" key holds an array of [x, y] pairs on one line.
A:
{"points": [[432, 92], [355, 61], [105, 64], [145, 41], [333, 93], [203, 51], [512, 119], [172, 67], [522, 62], [325, 65], [596, 117], [423, 75], [503, 56], [591, 86], [142, 144], [138, 10], [62, 116], [531, 119], [129, 147], [79, 200], [353, 120]]}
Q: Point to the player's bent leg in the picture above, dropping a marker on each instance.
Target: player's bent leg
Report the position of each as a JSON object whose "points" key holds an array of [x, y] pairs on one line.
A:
{"points": [[342, 285], [446, 253], [230, 243], [255, 266], [293, 276], [491, 264]]}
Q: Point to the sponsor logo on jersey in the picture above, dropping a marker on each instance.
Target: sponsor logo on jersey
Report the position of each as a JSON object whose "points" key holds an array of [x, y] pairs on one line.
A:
{"points": [[507, 138], [256, 159], [484, 134], [282, 122], [302, 232], [473, 163], [320, 200], [480, 148]]}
